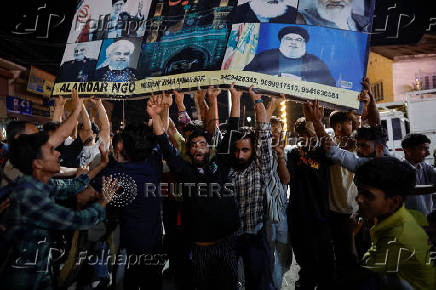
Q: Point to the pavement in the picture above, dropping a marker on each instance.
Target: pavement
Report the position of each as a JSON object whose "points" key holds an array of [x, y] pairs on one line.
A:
{"points": [[289, 279]]}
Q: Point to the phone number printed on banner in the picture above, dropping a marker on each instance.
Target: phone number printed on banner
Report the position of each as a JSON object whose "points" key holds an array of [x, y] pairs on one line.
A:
{"points": [[319, 92], [280, 85], [236, 78]]}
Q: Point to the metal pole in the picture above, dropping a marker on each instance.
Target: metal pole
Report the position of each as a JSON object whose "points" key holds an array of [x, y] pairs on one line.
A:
{"points": [[243, 117], [124, 120]]}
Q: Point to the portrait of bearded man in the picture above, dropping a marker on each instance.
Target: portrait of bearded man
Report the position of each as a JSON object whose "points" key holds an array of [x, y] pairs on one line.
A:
{"points": [[267, 11], [334, 14], [116, 66]]}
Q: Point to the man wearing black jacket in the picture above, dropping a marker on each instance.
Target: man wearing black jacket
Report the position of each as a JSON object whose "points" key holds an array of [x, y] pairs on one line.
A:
{"points": [[210, 211]]}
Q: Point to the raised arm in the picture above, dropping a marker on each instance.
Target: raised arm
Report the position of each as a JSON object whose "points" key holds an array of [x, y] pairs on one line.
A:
{"points": [[183, 117], [58, 109], [212, 120], [259, 108], [202, 105], [273, 105], [86, 121], [235, 111], [367, 96], [263, 134], [64, 130], [174, 160], [105, 126], [167, 101], [313, 112]]}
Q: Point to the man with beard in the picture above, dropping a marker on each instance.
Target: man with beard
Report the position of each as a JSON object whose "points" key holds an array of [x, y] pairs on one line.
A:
{"points": [[80, 69], [291, 60], [334, 14], [250, 172], [119, 23], [416, 148], [209, 212], [116, 67], [370, 143], [272, 11]]}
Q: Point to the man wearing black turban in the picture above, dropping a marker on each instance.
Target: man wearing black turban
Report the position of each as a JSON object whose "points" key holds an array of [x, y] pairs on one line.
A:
{"points": [[291, 59]]}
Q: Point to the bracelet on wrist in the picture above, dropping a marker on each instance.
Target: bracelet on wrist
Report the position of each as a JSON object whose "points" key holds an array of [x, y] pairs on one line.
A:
{"points": [[258, 101]]}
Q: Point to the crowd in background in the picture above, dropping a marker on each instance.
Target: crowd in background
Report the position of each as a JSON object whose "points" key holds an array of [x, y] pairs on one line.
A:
{"points": [[223, 206]]}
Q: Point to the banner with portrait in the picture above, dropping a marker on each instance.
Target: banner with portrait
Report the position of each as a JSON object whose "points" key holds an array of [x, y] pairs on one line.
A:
{"points": [[306, 49]]}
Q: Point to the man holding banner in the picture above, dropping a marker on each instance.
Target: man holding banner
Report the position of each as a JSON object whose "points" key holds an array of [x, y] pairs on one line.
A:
{"points": [[291, 60], [334, 14]]}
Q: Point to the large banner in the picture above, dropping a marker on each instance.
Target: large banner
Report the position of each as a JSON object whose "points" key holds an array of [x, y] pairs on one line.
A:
{"points": [[306, 49]]}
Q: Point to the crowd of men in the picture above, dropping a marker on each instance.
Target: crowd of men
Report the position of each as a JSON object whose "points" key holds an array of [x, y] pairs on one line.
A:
{"points": [[223, 206]]}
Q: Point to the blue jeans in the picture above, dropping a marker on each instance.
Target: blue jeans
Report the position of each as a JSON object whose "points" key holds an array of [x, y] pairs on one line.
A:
{"points": [[281, 251]]}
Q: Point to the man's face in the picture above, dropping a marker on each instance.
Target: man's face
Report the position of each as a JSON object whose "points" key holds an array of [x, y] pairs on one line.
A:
{"points": [[79, 52], [418, 153], [334, 10], [119, 58], [373, 203], [117, 8], [49, 160], [199, 151], [243, 152], [269, 8], [344, 128], [354, 116], [276, 131], [293, 45], [365, 148]]}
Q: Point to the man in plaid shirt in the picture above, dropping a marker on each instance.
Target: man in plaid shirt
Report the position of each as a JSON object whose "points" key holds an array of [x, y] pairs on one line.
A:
{"points": [[251, 170], [34, 215]]}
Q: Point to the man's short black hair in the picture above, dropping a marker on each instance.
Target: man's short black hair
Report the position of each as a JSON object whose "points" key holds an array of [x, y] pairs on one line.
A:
{"points": [[197, 133], [14, 128], [25, 149], [277, 120], [243, 133], [193, 125], [392, 176], [50, 126], [294, 29], [413, 140], [338, 117], [300, 126], [377, 134], [138, 141]]}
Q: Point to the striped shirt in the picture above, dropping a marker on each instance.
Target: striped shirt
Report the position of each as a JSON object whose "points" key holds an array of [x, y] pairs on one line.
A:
{"points": [[32, 219], [250, 183]]}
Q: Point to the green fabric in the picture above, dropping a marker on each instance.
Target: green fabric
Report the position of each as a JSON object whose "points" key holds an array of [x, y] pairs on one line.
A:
{"points": [[400, 246]]}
